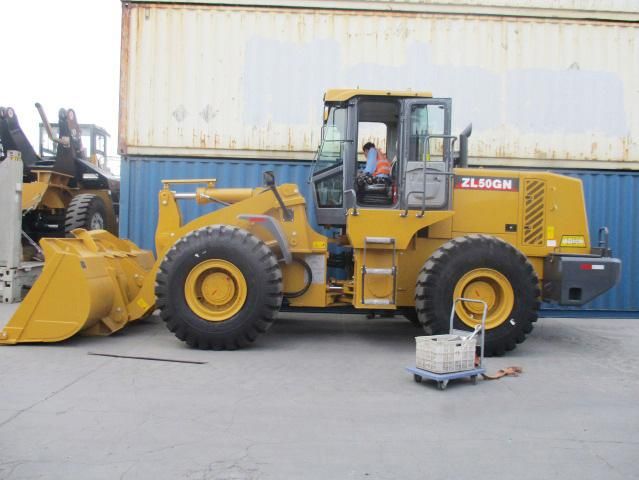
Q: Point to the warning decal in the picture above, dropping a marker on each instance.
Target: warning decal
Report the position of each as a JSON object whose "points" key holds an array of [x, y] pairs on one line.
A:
{"points": [[502, 184]]}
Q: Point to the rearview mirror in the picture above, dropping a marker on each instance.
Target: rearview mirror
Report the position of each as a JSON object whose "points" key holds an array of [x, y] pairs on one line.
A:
{"points": [[269, 179]]}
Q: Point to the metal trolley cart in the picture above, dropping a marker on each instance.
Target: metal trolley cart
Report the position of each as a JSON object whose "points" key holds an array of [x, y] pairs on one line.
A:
{"points": [[461, 350]]}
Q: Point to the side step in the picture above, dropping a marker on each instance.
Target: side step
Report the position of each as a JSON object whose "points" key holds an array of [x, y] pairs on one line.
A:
{"points": [[378, 301], [379, 240], [379, 271], [391, 272]]}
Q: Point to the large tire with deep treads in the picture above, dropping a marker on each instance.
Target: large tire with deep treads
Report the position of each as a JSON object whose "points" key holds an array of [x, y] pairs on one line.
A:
{"points": [[218, 288], [86, 211], [410, 314], [480, 266]]}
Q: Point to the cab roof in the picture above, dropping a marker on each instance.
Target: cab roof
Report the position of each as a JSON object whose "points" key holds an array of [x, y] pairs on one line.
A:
{"points": [[344, 94]]}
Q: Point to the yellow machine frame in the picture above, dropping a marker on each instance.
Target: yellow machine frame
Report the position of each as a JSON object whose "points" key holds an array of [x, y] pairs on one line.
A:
{"points": [[118, 280]]}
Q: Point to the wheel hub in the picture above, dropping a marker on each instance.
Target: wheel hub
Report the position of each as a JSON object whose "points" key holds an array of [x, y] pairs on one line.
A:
{"points": [[215, 290], [482, 290], [218, 288], [490, 286]]}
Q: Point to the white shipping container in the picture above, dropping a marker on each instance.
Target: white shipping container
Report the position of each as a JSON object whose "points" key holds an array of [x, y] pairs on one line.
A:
{"points": [[542, 85]]}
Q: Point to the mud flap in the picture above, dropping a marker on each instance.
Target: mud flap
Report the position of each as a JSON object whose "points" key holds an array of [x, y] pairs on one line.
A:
{"points": [[85, 288]]}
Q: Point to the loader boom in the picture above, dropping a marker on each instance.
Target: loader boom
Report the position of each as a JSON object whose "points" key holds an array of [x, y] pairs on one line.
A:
{"points": [[247, 208]]}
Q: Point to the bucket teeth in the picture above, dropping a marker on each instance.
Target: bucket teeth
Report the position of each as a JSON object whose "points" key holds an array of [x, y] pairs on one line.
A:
{"points": [[86, 286]]}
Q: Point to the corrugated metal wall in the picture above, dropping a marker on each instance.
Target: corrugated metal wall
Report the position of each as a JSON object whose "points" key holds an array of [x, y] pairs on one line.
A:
{"points": [[625, 10], [220, 81], [612, 199]]}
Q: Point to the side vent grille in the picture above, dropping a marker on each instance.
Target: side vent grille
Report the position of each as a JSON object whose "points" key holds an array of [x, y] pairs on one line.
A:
{"points": [[534, 212]]}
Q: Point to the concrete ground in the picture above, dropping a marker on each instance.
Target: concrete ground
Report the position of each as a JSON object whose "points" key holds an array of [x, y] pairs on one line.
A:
{"points": [[320, 397]]}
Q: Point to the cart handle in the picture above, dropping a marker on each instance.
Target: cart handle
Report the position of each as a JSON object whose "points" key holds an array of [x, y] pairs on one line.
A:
{"points": [[481, 327], [478, 328], [471, 300]]}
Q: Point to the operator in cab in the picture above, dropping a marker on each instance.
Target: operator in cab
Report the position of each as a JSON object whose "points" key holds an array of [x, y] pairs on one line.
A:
{"points": [[377, 169], [377, 164]]}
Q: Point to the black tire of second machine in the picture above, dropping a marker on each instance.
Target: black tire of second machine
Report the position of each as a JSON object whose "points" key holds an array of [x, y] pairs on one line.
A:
{"points": [[87, 211]]}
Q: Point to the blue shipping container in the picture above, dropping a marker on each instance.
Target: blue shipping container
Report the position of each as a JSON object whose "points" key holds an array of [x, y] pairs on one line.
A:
{"points": [[612, 199]]}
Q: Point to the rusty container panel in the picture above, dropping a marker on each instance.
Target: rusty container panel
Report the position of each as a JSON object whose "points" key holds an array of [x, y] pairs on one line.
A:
{"points": [[247, 82]]}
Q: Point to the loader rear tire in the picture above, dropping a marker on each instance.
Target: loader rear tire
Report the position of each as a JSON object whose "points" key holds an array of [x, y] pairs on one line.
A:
{"points": [[411, 315], [85, 211], [487, 268], [218, 288]]}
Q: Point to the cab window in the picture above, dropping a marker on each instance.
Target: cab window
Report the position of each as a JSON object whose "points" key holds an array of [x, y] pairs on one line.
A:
{"points": [[426, 120], [333, 138], [328, 178]]}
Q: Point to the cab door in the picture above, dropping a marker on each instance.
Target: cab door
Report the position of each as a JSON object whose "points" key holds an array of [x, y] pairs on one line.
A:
{"points": [[426, 146]]}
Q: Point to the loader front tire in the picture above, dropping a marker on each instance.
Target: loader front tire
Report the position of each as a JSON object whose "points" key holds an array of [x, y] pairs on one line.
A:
{"points": [[218, 288], [85, 211], [486, 268]]}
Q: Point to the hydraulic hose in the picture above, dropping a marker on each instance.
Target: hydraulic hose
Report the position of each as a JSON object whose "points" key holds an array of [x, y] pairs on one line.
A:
{"points": [[304, 289]]}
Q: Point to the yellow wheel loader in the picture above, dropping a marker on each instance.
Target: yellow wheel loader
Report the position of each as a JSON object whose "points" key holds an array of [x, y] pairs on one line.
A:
{"points": [[409, 243], [67, 189]]}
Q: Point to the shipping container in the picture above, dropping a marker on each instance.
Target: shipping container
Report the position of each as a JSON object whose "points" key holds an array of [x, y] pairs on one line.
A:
{"points": [[545, 82], [612, 199], [231, 89]]}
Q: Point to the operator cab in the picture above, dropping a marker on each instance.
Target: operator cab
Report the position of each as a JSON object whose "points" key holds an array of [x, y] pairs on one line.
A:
{"points": [[412, 129], [91, 135]]}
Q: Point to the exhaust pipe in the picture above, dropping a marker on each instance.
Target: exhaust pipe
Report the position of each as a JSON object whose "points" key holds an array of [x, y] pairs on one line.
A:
{"points": [[463, 145]]}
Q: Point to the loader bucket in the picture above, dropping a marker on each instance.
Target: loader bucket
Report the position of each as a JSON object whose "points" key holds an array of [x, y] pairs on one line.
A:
{"points": [[85, 287]]}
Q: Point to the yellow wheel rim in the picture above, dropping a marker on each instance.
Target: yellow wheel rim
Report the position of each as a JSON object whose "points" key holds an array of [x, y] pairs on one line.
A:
{"points": [[490, 286], [215, 290]]}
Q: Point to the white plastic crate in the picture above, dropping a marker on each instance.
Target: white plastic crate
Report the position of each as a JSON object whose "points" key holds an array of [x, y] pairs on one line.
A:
{"points": [[445, 353]]}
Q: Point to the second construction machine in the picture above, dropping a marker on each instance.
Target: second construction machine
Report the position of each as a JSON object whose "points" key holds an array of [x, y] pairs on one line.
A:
{"points": [[435, 231], [67, 189]]}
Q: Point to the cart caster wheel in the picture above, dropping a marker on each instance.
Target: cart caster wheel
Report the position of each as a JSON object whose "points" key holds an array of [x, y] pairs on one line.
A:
{"points": [[442, 385], [417, 378], [474, 379]]}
